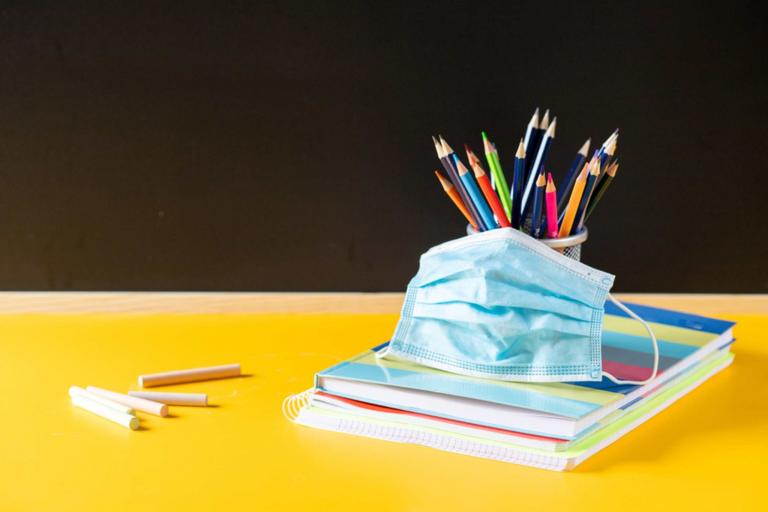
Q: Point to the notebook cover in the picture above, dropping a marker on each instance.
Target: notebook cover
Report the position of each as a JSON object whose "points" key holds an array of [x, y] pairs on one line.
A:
{"points": [[509, 452], [627, 353]]}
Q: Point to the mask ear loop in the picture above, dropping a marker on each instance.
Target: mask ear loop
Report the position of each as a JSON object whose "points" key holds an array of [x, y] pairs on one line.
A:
{"points": [[653, 342]]}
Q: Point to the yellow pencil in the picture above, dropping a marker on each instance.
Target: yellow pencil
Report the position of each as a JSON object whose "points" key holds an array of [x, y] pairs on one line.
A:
{"points": [[573, 202]]}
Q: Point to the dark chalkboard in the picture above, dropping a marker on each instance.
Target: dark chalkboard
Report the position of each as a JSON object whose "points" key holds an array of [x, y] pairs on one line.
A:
{"points": [[280, 146]]}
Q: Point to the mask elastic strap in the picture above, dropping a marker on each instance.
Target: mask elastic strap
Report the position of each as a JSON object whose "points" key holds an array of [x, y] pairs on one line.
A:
{"points": [[653, 342]]}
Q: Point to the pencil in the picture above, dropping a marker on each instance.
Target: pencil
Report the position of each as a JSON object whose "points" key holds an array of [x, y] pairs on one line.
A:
{"points": [[550, 194], [607, 157], [538, 197], [537, 142], [532, 138], [444, 152], [451, 191], [601, 187], [474, 193], [490, 196], [517, 184], [578, 161], [541, 157], [494, 164], [594, 174], [573, 203]]}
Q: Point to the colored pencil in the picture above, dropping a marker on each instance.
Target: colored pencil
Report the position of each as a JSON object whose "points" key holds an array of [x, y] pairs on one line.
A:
{"points": [[550, 195], [445, 158], [494, 164], [490, 195], [451, 191], [541, 157], [607, 155], [573, 203], [517, 184], [533, 135], [543, 126], [538, 198], [594, 174], [474, 193], [612, 154], [578, 162], [601, 187]]}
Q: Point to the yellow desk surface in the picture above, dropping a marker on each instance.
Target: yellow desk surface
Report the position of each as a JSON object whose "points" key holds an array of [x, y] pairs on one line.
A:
{"points": [[706, 452]]}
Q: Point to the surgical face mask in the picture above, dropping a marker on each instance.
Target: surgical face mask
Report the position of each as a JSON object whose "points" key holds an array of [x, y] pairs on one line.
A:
{"points": [[502, 305]]}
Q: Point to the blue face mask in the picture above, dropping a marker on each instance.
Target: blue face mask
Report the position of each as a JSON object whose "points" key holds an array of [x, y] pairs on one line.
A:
{"points": [[502, 305]]}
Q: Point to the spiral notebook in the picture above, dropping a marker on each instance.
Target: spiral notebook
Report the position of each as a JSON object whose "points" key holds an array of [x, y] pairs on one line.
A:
{"points": [[399, 400], [476, 443]]}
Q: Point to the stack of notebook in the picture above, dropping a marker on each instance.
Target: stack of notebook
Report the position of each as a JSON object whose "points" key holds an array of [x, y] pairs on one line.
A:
{"points": [[550, 425]]}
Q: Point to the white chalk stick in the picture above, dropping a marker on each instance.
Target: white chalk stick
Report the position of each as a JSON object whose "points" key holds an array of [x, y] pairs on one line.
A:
{"points": [[191, 375], [78, 391], [138, 404], [106, 412], [194, 399]]}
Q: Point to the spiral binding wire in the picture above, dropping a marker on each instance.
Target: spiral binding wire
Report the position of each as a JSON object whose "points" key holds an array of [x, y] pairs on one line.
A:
{"points": [[293, 404]]}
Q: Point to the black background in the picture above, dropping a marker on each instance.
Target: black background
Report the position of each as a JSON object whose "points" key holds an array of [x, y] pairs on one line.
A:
{"points": [[245, 146]]}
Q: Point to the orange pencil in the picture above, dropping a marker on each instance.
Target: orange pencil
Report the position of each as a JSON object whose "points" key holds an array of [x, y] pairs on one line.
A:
{"points": [[451, 191], [490, 196], [573, 202]]}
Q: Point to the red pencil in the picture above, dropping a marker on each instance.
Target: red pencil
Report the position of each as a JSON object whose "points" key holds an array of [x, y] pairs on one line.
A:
{"points": [[490, 196], [451, 191], [550, 194]]}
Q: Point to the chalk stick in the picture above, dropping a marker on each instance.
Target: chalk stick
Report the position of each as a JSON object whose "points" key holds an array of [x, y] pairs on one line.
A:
{"points": [[138, 404], [106, 412], [191, 375], [194, 399], [78, 391]]}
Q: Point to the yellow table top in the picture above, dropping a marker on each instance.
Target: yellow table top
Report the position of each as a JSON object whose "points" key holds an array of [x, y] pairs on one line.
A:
{"points": [[707, 451]]}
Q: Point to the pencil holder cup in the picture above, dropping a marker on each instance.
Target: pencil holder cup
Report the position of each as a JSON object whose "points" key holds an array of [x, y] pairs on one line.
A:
{"points": [[570, 246]]}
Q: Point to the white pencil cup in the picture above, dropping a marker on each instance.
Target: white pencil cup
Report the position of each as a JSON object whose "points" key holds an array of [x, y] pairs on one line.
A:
{"points": [[569, 245]]}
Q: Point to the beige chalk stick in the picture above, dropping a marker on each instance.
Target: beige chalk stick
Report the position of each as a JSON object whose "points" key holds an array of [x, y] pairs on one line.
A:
{"points": [[191, 375], [194, 399], [138, 404], [78, 391], [127, 420]]}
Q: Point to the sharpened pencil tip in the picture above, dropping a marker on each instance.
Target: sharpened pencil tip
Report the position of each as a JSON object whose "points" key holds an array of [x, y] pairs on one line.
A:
{"points": [[438, 148], [585, 148], [550, 183], [540, 181], [534, 122], [446, 148], [551, 129], [447, 185], [460, 167], [520, 150], [544, 124], [612, 169]]}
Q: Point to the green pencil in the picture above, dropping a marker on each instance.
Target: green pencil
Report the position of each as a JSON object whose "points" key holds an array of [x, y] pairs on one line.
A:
{"points": [[492, 156]]}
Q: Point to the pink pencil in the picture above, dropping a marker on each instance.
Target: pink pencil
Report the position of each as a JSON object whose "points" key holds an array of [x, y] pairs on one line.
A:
{"points": [[550, 195]]}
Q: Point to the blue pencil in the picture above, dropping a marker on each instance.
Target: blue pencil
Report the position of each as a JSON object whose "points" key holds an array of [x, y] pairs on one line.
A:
{"points": [[475, 194], [541, 157], [564, 191], [444, 152], [538, 199], [531, 134], [537, 138], [609, 153], [517, 184]]}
